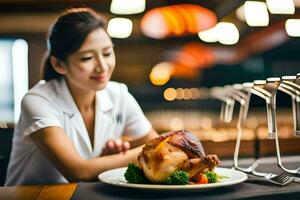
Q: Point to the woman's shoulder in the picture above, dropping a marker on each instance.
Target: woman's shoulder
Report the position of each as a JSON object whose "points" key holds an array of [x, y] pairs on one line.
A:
{"points": [[42, 90]]}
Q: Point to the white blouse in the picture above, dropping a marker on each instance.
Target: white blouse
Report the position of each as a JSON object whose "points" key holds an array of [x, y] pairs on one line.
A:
{"points": [[51, 104]]}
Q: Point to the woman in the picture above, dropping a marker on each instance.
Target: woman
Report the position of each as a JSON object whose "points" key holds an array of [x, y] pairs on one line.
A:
{"points": [[70, 126]]}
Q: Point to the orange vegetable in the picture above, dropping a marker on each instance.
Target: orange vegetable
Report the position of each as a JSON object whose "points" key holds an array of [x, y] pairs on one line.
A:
{"points": [[200, 179]]}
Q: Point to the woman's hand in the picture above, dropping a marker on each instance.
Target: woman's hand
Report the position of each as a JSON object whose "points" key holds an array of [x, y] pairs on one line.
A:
{"points": [[115, 146]]}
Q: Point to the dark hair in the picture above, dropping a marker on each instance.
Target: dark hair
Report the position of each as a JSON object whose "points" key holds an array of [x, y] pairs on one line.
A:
{"points": [[67, 36]]}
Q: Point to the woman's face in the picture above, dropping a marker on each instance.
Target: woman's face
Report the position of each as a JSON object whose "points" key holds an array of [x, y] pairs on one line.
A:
{"points": [[91, 67]]}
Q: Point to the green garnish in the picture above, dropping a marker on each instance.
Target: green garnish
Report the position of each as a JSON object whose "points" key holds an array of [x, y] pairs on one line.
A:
{"points": [[211, 176], [178, 178], [134, 174]]}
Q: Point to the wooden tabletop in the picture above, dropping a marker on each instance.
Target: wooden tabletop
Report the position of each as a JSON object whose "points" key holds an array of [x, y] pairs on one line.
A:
{"points": [[38, 192]]}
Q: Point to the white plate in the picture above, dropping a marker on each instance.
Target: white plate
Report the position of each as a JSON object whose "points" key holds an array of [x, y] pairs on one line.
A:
{"points": [[116, 177]]}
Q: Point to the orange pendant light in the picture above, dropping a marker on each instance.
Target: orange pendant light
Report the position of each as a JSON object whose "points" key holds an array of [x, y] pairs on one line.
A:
{"points": [[177, 20]]}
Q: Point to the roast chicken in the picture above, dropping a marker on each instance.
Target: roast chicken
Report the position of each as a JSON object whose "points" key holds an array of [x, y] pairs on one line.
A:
{"points": [[172, 151]]}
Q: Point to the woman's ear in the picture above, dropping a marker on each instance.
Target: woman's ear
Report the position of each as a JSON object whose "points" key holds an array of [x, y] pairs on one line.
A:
{"points": [[57, 65]]}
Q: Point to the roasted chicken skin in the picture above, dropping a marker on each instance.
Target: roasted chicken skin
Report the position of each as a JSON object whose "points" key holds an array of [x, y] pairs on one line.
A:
{"points": [[172, 151]]}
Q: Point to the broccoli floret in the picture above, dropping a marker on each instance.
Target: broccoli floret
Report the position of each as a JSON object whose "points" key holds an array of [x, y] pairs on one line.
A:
{"points": [[178, 178], [134, 174], [211, 176]]}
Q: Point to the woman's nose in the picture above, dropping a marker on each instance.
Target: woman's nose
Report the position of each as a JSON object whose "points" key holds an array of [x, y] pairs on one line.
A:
{"points": [[101, 65]]}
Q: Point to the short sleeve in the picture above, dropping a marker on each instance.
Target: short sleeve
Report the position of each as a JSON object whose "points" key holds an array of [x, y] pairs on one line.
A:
{"points": [[37, 113], [137, 125]]}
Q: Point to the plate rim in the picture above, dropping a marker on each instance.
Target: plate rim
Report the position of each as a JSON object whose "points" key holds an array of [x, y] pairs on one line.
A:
{"points": [[243, 178]]}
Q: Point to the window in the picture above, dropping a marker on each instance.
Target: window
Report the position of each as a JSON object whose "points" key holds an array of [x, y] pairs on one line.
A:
{"points": [[13, 78]]}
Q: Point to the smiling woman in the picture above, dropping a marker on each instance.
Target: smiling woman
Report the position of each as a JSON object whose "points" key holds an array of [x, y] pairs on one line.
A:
{"points": [[70, 126]]}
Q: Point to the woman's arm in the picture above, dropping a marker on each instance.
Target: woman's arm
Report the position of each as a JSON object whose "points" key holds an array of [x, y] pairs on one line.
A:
{"points": [[56, 146]]}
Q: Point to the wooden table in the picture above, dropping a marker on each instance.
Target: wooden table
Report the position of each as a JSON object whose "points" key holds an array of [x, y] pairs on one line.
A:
{"points": [[38, 192], [255, 188]]}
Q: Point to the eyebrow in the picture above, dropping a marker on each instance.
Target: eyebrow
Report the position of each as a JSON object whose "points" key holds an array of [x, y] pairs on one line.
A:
{"points": [[91, 50]]}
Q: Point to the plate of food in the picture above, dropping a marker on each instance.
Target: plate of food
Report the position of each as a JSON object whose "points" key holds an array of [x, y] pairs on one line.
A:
{"points": [[174, 161]]}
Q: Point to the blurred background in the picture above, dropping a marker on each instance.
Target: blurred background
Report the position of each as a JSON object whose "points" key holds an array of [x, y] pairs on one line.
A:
{"points": [[170, 53]]}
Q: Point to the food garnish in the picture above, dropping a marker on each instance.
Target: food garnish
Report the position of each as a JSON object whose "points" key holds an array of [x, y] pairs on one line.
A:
{"points": [[134, 174], [178, 178]]}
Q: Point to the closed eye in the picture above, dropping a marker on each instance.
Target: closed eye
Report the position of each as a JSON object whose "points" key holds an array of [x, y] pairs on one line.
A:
{"points": [[107, 54], [86, 58]]}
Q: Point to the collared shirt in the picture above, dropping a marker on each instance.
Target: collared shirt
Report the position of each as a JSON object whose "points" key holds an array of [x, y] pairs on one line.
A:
{"points": [[51, 104]]}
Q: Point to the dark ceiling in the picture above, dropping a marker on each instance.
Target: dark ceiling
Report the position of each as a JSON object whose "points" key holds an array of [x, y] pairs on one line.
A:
{"points": [[224, 9], [280, 56], [33, 16]]}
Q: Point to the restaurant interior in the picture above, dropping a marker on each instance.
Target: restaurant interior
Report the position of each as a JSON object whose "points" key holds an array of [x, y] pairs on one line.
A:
{"points": [[185, 61]]}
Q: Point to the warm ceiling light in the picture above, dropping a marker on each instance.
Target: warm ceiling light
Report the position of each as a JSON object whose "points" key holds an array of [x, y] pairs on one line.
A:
{"points": [[194, 55], [208, 35], [227, 33], [126, 7], [170, 94], [179, 93], [281, 6], [174, 21], [256, 13], [119, 27], [187, 94], [161, 73], [292, 27], [195, 93], [240, 13], [177, 20], [155, 26]]}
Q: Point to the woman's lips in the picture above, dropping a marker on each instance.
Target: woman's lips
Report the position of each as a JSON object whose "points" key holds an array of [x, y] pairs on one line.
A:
{"points": [[100, 78]]}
